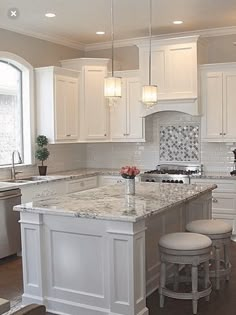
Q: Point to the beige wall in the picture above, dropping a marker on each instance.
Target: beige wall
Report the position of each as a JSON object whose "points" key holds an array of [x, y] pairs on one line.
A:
{"points": [[126, 58], [221, 49], [36, 51]]}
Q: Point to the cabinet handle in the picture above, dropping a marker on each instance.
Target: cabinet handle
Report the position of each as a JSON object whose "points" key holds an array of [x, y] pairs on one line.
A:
{"points": [[221, 134], [105, 134], [224, 134], [214, 200], [68, 135]]}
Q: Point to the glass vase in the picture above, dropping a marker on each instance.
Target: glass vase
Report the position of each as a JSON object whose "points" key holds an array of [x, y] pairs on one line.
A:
{"points": [[130, 186]]}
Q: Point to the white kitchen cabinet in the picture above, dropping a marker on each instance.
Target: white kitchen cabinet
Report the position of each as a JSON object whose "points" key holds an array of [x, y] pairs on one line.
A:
{"points": [[81, 184], [126, 123], [94, 109], [174, 67], [223, 199], [218, 94], [39, 191], [57, 99], [104, 180]]}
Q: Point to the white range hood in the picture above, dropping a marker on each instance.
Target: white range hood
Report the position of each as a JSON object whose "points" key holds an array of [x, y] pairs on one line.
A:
{"points": [[187, 106]]}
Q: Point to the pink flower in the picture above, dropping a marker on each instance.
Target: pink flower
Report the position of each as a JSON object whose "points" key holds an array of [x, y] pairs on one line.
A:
{"points": [[129, 171]]}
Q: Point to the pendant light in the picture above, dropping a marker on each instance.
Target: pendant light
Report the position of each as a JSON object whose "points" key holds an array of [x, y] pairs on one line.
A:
{"points": [[112, 85], [149, 92]]}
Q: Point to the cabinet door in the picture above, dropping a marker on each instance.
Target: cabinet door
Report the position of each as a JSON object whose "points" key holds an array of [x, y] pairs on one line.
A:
{"points": [[229, 106], [135, 124], [182, 71], [66, 108], [158, 69], [212, 102], [60, 109], [95, 105], [118, 116], [71, 109]]}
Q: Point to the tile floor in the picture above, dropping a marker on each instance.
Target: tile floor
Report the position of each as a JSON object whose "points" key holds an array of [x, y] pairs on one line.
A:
{"points": [[222, 302]]}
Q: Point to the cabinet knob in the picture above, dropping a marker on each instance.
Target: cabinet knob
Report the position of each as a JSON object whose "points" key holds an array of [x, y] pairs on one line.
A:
{"points": [[224, 134], [105, 134], [214, 200], [221, 134]]}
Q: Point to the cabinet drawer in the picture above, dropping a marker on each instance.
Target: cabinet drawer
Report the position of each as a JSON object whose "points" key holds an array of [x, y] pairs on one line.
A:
{"points": [[81, 184], [222, 185], [224, 201]]}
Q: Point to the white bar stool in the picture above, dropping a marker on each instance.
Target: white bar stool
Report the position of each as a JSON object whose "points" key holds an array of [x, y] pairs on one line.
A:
{"points": [[183, 249], [220, 233]]}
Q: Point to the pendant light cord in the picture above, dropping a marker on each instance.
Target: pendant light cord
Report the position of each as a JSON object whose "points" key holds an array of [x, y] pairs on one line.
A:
{"points": [[150, 40], [112, 39]]}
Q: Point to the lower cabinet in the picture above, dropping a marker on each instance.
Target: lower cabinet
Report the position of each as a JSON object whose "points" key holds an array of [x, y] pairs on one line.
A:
{"points": [[104, 180], [81, 184], [223, 199], [39, 191]]}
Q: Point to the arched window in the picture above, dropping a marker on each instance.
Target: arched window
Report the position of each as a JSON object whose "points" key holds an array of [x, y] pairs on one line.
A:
{"points": [[11, 137], [16, 108]]}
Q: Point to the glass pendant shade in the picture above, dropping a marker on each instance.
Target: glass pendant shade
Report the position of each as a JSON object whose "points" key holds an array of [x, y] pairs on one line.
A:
{"points": [[112, 87], [149, 95]]}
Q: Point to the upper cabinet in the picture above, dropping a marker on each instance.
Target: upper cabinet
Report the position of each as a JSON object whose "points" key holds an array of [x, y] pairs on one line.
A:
{"points": [[126, 123], [174, 71], [57, 99], [94, 109], [218, 95]]}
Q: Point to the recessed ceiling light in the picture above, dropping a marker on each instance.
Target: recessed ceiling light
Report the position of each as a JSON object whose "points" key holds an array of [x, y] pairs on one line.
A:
{"points": [[177, 22], [100, 33], [50, 15]]}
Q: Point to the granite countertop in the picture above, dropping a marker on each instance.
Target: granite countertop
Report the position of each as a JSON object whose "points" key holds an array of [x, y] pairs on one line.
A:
{"points": [[110, 202], [67, 175]]}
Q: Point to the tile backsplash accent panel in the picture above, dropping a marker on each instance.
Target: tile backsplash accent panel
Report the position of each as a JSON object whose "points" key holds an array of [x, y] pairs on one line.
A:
{"points": [[180, 143]]}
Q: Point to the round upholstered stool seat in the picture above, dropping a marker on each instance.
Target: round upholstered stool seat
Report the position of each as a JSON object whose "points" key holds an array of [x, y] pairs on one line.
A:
{"points": [[220, 233], [209, 227], [185, 241], [185, 249]]}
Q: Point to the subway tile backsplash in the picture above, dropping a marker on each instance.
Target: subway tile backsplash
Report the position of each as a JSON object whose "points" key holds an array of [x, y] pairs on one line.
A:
{"points": [[216, 157]]}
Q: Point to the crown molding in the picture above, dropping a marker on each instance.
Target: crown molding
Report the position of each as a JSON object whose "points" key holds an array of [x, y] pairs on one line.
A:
{"points": [[212, 32], [56, 39]]}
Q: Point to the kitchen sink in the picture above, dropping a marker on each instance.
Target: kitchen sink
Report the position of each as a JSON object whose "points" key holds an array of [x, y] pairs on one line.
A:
{"points": [[25, 180]]}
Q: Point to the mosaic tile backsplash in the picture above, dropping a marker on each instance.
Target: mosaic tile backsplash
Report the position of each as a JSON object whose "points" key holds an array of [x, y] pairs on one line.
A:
{"points": [[180, 143]]}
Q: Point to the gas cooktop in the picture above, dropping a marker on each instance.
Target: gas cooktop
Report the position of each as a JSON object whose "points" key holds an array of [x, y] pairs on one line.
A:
{"points": [[178, 174]]}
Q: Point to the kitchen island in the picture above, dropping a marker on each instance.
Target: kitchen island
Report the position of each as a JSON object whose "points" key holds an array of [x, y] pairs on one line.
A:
{"points": [[96, 252]]}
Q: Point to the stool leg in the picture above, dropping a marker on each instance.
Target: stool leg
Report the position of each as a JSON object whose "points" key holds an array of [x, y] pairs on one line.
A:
{"points": [[217, 262], [195, 288], [206, 277], [162, 283], [226, 259], [176, 277]]}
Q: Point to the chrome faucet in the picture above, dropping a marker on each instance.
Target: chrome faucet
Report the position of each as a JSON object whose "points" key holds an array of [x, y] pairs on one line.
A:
{"points": [[13, 171]]}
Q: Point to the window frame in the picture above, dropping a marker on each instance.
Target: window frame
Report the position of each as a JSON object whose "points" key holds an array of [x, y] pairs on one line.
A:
{"points": [[28, 105]]}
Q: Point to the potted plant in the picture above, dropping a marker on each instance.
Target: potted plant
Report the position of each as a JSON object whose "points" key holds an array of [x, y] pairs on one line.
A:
{"points": [[42, 153]]}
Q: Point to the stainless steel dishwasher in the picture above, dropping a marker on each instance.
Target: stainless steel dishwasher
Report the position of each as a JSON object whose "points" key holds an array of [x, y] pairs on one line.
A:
{"points": [[10, 241]]}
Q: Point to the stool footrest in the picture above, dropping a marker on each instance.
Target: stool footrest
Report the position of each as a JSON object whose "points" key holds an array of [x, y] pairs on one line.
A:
{"points": [[188, 295]]}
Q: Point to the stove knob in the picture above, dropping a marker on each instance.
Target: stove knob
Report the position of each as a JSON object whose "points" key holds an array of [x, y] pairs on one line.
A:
{"points": [[147, 180], [168, 181], [176, 181], [181, 182], [163, 181], [172, 181], [153, 180]]}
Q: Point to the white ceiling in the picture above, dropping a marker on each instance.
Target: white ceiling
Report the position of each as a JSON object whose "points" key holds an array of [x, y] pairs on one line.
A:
{"points": [[77, 21]]}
